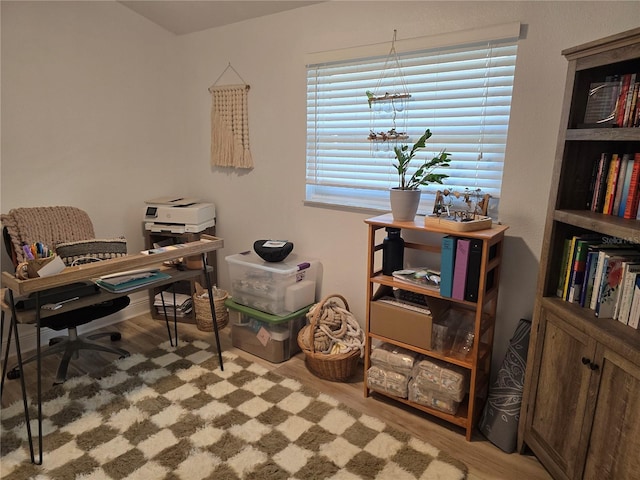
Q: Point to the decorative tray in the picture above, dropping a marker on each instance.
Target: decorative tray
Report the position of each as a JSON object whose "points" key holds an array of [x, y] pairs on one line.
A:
{"points": [[455, 224]]}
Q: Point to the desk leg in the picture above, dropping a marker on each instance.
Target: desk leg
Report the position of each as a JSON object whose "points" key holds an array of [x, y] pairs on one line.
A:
{"points": [[213, 308], [39, 373], [166, 317], [27, 419], [6, 350], [175, 313]]}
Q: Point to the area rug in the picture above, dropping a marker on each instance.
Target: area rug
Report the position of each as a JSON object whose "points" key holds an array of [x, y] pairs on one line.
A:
{"points": [[173, 414]]}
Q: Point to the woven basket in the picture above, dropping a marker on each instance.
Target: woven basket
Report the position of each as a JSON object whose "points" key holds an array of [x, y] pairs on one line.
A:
{"points": [[202, 309], [335, 367]]}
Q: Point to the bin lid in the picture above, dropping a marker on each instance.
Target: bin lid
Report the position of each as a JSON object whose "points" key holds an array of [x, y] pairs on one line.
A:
{"points": [[291, 265], [263, 316]]}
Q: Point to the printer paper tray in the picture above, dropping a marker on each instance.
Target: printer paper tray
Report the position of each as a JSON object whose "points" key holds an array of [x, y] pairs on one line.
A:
{"points": [[178, 228]]}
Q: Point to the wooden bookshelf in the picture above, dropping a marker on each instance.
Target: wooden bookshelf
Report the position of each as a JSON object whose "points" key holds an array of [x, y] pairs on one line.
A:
{"points": [[582, 388], [478, 361]]}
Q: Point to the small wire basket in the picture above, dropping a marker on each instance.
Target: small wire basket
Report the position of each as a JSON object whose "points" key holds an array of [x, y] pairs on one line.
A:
{"points": [[202, 308]]}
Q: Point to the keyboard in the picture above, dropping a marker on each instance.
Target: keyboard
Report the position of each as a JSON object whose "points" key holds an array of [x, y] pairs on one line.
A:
{"points": [[423, 309], [410, 297]]}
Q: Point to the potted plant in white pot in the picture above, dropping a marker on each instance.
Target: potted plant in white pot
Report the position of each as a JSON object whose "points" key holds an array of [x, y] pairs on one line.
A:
{"points": [[405, 198]]}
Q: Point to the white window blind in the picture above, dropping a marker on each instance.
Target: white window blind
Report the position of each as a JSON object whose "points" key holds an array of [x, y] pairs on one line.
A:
{"points": [[460, 91]]}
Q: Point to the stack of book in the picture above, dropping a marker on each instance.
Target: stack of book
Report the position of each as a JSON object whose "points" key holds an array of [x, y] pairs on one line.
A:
{"points": [[627, 108], [615, 185], [602, 274], [182, 306], [130, 280]]}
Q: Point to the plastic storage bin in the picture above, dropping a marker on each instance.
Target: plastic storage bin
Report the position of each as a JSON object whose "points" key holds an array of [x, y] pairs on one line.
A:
{"points": [[279, 288], [271, 337]]}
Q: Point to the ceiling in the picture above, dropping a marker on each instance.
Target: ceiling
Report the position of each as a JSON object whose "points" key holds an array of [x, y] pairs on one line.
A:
{"points": [[188, 16]]}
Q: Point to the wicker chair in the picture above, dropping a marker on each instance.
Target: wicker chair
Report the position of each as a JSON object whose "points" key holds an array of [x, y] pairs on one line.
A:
{"points": [[53, 226]]}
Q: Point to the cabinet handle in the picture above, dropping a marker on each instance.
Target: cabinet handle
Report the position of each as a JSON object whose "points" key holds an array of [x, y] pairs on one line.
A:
{"points": [[585, 361], [593, 366]]}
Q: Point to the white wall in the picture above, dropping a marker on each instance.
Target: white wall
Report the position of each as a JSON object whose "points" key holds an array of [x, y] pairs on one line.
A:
{"points": [[92, 114], [100, 103]]}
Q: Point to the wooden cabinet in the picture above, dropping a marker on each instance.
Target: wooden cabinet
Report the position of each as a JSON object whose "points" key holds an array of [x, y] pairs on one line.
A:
{"points": [[580, 408], [186, 287], [582, 419], [478, 361]]}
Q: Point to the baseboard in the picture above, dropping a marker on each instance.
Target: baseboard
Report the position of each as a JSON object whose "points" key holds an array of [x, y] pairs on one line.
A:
{"points": [[27, 333]]}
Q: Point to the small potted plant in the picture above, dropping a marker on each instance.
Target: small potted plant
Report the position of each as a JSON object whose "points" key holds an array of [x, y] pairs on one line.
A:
{"points": [[405, 198]]}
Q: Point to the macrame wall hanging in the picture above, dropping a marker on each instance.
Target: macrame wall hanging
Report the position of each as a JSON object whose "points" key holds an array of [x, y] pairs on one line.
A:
{"points": [[230, 124]]}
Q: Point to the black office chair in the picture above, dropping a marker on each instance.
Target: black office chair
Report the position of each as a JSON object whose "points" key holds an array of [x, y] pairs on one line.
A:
{"points": [[54, 226]]}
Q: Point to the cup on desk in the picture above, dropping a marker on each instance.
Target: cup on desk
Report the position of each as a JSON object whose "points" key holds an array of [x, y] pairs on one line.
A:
{"points": [[34, 268], [31, 267], [194, 263]]}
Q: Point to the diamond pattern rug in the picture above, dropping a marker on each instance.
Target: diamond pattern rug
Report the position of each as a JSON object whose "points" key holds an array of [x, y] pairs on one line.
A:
{"points": [[174, 415]]}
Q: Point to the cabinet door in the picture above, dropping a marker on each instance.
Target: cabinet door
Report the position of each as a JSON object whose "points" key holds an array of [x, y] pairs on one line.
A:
{"points": [[556, 416], [614, 447]]}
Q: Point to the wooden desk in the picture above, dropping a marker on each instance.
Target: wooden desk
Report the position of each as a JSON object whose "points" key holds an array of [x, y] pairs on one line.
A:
{"points": [[89, 272]]}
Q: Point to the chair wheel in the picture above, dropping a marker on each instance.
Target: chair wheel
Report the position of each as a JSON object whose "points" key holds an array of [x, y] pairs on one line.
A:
{"points": [[13, 374], [115, 337], [53, 341]]}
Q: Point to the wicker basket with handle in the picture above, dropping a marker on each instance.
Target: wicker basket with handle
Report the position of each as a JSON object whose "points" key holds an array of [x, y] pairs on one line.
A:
{"points": [[336, 367], [202, 308]]}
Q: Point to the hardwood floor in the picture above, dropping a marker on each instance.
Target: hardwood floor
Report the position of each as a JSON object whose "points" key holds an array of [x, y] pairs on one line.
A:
{"points": [[485, 461]]}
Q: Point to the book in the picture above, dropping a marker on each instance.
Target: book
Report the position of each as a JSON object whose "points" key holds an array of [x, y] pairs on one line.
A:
{"points": [[472, 283], [567, 273], [609, 285], [122, 277], [626, 183], [601, 183], [422, 276], [628, 100], [634, 314], [460, 268], [590, 273], [630, 114], [612, 179], [622, 99], [597, 279], [629, 274], [592, 183], [578, 268], [634, 189], [564, 264], [125, 283], [447, 264], [622, 173], [181, 300]]}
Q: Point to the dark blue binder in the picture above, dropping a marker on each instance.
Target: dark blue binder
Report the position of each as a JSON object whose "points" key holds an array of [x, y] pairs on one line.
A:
{"points": [[473, 270]]}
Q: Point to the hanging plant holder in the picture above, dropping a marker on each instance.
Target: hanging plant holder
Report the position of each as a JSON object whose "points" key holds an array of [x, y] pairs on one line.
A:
{"points": [[386, 136], [387, 102], [388, 97]]}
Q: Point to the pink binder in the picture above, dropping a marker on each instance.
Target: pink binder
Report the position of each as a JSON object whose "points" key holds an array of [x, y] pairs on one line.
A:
{"points": [[460, 269]]}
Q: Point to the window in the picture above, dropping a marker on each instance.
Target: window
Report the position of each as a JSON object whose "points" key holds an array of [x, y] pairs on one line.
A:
{"points": [[460, 88]]}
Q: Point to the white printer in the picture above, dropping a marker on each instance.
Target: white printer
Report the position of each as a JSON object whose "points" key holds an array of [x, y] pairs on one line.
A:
{"points": [[178, 215]]}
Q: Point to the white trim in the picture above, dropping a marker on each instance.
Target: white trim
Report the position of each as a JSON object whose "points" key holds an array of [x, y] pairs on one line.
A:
{"points": [[494, 32]]}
